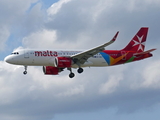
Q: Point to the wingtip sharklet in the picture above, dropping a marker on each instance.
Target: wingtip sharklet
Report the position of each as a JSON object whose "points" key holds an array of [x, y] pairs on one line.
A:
{"points": [[114, 38]]}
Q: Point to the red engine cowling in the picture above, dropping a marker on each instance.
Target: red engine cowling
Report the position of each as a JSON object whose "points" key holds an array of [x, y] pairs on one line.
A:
{"points": [[63, 62], [49, 70]]}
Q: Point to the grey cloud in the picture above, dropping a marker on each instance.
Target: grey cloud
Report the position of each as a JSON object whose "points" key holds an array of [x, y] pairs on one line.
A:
{"points": [[40, 97], [12, 15], [77, 19], [35, 94], [13, 11], [4, 34]]}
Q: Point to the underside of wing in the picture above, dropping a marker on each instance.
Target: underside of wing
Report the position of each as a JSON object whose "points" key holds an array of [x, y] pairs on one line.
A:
{"points": [[82, 57]]}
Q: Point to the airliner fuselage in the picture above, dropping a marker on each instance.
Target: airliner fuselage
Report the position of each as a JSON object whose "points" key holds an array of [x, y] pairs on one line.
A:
{"points": [[47, 58]]}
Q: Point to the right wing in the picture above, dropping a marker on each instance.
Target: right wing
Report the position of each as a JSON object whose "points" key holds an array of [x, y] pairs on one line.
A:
{"points": [[82, 57]]}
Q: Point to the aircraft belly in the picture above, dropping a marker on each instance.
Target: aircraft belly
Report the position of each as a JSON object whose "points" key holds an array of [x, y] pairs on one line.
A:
{"points": [[98, 62], [37, 61], [44, 61]]}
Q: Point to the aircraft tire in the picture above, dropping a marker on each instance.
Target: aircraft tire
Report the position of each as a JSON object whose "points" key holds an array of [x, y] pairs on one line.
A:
{"points": [[80, 70], [25, 72], [71, 75]]}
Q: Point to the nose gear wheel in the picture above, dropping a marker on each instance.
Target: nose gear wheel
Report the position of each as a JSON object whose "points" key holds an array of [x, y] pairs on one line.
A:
{"points": [[25, 70]]}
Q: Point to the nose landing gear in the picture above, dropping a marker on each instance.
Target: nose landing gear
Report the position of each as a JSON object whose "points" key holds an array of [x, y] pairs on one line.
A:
{"points": [[25, 72]]}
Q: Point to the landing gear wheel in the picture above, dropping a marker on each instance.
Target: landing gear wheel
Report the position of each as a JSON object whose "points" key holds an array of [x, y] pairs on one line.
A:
{"points": [[71, 75], [25, 72], [80, 70]]}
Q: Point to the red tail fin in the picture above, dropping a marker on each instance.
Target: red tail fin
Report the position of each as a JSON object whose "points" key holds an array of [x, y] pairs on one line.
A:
{"points": [[137, 44]]}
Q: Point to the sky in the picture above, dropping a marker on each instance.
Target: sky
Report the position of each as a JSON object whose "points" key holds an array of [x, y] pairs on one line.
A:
{"points": [[129, 91]]}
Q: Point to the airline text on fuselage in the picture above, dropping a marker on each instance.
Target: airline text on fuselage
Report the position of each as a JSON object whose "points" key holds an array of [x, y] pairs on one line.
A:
{"points": [[46, 53]]}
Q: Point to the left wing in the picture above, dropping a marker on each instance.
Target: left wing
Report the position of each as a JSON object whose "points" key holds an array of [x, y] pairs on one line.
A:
{"points": [[82, 57]]}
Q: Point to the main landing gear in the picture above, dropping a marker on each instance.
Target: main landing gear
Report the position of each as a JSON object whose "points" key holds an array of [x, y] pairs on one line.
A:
{"points": [[25, 70], [71, 75], [80, 70]]}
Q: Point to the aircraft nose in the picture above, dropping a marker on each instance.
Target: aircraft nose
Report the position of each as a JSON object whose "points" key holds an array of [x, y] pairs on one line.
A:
{"points": [[8, 59]]}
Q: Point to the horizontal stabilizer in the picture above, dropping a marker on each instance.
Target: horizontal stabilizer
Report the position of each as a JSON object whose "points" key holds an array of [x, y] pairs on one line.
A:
{"points": [[142, 53]]}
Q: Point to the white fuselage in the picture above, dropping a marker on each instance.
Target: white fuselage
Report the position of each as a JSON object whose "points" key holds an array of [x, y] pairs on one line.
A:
{"points": [[30, 57]]}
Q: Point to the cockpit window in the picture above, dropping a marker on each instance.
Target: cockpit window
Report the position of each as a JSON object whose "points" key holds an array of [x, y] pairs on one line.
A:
{"points": [[15, 53]]}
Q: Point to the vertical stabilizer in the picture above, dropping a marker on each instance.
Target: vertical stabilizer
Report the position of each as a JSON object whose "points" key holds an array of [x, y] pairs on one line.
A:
{"points": [[137, 44]]}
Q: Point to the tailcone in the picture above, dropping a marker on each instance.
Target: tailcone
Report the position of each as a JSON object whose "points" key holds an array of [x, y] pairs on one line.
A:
{"points": [[148, 55]]}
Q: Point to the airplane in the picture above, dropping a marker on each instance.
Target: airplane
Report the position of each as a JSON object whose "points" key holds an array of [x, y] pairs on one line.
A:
{"points": [[55, 61]]}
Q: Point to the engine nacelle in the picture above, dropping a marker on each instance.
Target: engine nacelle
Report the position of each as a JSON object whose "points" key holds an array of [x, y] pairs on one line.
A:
{"points": [[63, 62], [49, 70]]}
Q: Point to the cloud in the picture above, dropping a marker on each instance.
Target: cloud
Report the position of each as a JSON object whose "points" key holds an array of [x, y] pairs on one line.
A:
{"points": [[111, 85], [4, 35], [99, 23], [151, 75], [12, 13], [141, 5], [42, 37], [11, 10], [56, 7], [74, 24]]}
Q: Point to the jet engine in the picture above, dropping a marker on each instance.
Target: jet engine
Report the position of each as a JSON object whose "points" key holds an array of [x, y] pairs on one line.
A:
{"points": [[63, 62], [49, 70]]}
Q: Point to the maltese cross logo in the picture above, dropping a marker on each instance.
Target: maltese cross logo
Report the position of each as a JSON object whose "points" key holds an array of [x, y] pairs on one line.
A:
{"points": [[140, 43]]}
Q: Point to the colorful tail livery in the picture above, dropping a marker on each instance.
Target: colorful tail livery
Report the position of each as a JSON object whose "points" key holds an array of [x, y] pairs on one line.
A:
{"points": [[137, 44], [54, 61]]}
